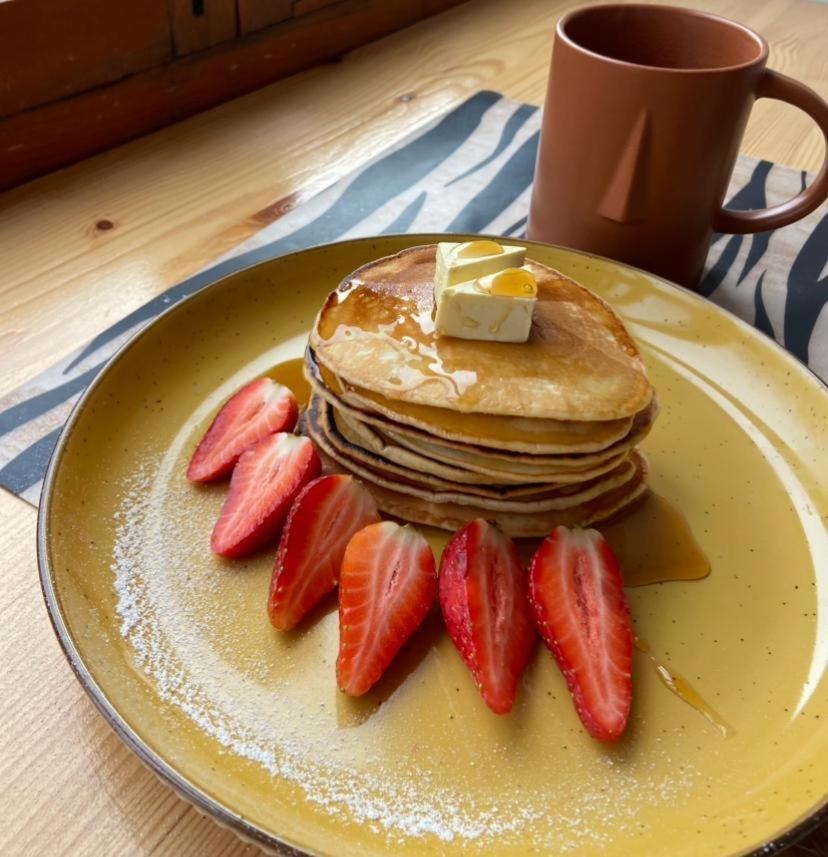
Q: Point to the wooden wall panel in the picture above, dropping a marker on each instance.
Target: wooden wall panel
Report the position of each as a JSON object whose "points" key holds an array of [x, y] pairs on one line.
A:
{"points": [[305, 7], [258, 14], [50, 49], [200, 24], [433, 7], [66, 131], [61, 132]]}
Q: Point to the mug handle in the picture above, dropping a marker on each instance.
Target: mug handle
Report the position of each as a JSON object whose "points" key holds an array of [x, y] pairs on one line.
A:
{"points": [[772, 84]]}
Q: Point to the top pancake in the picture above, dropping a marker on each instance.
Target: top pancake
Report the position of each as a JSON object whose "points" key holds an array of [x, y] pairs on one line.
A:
{"points": [[376, 331]]}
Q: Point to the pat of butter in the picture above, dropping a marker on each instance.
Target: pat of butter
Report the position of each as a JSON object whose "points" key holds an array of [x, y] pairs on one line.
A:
{"points": [[479, 309], [471, 260]]}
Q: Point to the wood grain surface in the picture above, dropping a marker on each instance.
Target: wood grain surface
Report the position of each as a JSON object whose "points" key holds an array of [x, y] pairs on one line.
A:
{"points": [[86, 245], [72, 46]]}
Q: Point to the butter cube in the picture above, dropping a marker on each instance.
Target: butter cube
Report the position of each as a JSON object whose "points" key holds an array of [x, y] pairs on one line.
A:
{"points": [[495, 308], [470, 260]]}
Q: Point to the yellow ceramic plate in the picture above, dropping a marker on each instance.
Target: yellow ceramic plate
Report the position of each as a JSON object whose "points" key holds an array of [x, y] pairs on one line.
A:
{"points": [[174, 646]]}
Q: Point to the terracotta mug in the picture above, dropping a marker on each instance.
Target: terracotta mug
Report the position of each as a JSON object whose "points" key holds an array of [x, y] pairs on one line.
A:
{"points": [[644, 115]]}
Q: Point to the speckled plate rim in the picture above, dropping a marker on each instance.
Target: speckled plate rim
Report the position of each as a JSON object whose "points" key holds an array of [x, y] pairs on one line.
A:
{"points": [[202, 802]]}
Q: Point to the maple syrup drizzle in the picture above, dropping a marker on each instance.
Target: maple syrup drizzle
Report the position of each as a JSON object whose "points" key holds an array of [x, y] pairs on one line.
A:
{"points": [[397, 317], [682, 688], [654, 544], [291, 374]]}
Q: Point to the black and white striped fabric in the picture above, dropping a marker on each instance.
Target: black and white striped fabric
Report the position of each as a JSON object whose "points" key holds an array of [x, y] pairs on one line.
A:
{"points": [[469, 171]]}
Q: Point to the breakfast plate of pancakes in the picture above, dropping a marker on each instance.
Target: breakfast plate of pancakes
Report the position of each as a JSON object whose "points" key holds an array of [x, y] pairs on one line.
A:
{"points": [[693, 442], [528, 435]]}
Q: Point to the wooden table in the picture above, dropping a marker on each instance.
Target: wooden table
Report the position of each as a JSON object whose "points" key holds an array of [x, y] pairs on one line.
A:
{"points": [[82, 247]]}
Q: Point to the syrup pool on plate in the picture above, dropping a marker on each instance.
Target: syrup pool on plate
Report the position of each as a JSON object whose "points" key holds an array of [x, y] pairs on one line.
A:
{"points": [[652, 541], [291, 374], [654, 544], [682, 688]]}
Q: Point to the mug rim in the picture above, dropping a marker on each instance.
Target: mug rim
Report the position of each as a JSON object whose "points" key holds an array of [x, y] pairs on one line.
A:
{"points": [[678, 11]]}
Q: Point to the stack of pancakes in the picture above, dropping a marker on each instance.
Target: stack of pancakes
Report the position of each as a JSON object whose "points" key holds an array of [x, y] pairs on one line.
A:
{"points": [[443, 430]]}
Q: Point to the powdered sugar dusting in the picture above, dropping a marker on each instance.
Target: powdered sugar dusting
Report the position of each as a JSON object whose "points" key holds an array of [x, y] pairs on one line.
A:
{"points": [[180, 619]]}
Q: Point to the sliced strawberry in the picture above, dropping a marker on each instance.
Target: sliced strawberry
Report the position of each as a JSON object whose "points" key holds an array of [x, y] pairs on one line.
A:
{"points": [[578, 600], [322, 519], [261, 408], [485, 609], [265, 482], [386, 587]]}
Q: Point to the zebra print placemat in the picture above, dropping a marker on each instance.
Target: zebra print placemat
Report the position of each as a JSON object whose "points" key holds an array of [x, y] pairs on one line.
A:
{"points": [[469, 171]]}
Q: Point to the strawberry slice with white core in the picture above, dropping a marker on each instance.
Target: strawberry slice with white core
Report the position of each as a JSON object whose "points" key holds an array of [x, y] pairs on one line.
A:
{"points": [[387, 585], [321, 521], [265, 482], [483, 597], [577, 597], [260, 408]]}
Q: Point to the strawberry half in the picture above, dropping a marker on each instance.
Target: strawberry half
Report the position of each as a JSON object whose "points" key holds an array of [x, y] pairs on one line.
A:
{"points": [[485, 609], [386, 587], [260, 408], [578, 600], [265, 482], [321, 521]]}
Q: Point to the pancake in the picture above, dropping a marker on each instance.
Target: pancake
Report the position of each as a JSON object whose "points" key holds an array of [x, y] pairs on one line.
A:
{"points": [[469, 453], [442, 430], [529, 434], [418, 472], [516, 434], [483, 459], [376, 332], [349, 449], [363, 436], [526, 524], [378, 474], [373, 439]]}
